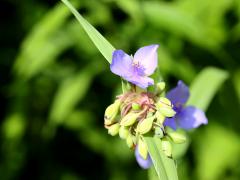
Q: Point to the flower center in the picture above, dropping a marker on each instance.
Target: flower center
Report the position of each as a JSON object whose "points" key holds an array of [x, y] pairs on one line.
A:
{"points": [[138, 68]]}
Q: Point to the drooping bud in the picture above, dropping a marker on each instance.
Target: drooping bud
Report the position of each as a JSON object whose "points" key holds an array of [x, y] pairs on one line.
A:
{"points": [[129, 119], [164, 105], [158, 132], [160, 87], [131, 141], [168, 112], [136, 106], [160, 117], [142, 148], [177, 137], [167, 147], [111, 113], [145, 125], [113, 129], [123, 132]]}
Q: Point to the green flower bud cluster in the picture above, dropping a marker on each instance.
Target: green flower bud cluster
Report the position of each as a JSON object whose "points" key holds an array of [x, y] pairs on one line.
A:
{"points": [[135, 114]]}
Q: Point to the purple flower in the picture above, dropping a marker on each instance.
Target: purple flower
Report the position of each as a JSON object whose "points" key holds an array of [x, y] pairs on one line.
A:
{"points": [[143, 163], [186, 117], [136, 69]]}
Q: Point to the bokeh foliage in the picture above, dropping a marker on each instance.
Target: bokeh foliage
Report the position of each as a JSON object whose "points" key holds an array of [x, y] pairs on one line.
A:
{"points": [[55, 85]]}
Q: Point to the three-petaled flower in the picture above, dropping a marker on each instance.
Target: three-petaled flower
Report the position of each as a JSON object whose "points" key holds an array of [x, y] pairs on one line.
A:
{"points": [[136, 69], [188, 117]]}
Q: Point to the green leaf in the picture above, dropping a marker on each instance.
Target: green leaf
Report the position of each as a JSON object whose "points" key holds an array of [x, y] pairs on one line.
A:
{"points": [[71, 92], [100, 42], [205, 86], [44, 43], [164, 166]]}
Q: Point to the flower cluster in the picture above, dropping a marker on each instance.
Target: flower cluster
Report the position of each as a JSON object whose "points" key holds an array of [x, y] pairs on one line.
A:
{"points": [[138, 112]]}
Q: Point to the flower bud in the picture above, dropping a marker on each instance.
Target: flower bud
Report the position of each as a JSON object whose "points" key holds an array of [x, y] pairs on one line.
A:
{"points": [[167, 112], [123, 132], [142, 148], [145, 125], [167, 147], [164, 102], [160, 117], [131, 141], [177, 137], [111, 112], [160, 86], [113, 129], [129, 119], [136, 106], [158, 132], [164, 105]]}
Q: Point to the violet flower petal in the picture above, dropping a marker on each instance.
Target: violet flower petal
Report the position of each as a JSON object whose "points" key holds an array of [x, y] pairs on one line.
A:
{"points": [[122, 64], [170, 122], [191, 117], [147, 57], [143, 163], [142, 82], [179, 95]]}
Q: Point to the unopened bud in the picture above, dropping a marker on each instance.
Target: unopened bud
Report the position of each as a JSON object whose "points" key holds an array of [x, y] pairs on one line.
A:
{"points": [[177, 137], [158, 132], [164, 102], [136, 106], [160, 87], [129, 119], [167, 111], [145, 125], [113, 129], [160, 117], [131, 141], [111, 112], [123, 132], [142, 148], [167, 147]]}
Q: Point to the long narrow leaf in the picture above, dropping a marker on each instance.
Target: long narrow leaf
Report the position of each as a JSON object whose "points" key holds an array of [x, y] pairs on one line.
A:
{"points": [[165, 167], [100, 42], [205, 87]]}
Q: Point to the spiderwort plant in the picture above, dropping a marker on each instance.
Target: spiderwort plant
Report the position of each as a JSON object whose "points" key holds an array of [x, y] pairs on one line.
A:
{"points": [[135, 114]]}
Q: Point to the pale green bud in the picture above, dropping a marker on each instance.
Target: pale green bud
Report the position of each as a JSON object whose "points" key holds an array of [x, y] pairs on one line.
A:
{"points": [[136, 106], [123, 132], [160, 117], [129, 119], [145, 125], [158, 132], [160, 86], [142, 148], [177, 137], [111, 112], [167, 147], [164, 102], [167, 111], [113, 129], [131, 140], [164, 105]]}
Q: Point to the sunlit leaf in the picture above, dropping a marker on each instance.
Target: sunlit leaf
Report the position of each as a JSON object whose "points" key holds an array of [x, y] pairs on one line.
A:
{"points": [[164, 166], [101, 43], [205, 86]]}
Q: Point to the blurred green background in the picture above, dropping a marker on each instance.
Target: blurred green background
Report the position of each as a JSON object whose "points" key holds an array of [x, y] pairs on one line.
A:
{"points": [[55, 85]]}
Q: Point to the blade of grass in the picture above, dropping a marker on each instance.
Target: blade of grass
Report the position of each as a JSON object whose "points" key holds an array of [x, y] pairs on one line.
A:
{"points": [[164, 166], [205, 86], [100, 42]]}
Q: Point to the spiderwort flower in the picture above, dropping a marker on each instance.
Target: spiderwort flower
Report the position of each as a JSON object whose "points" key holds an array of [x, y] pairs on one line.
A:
{"points": [[186, 117], [136, 69]]}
